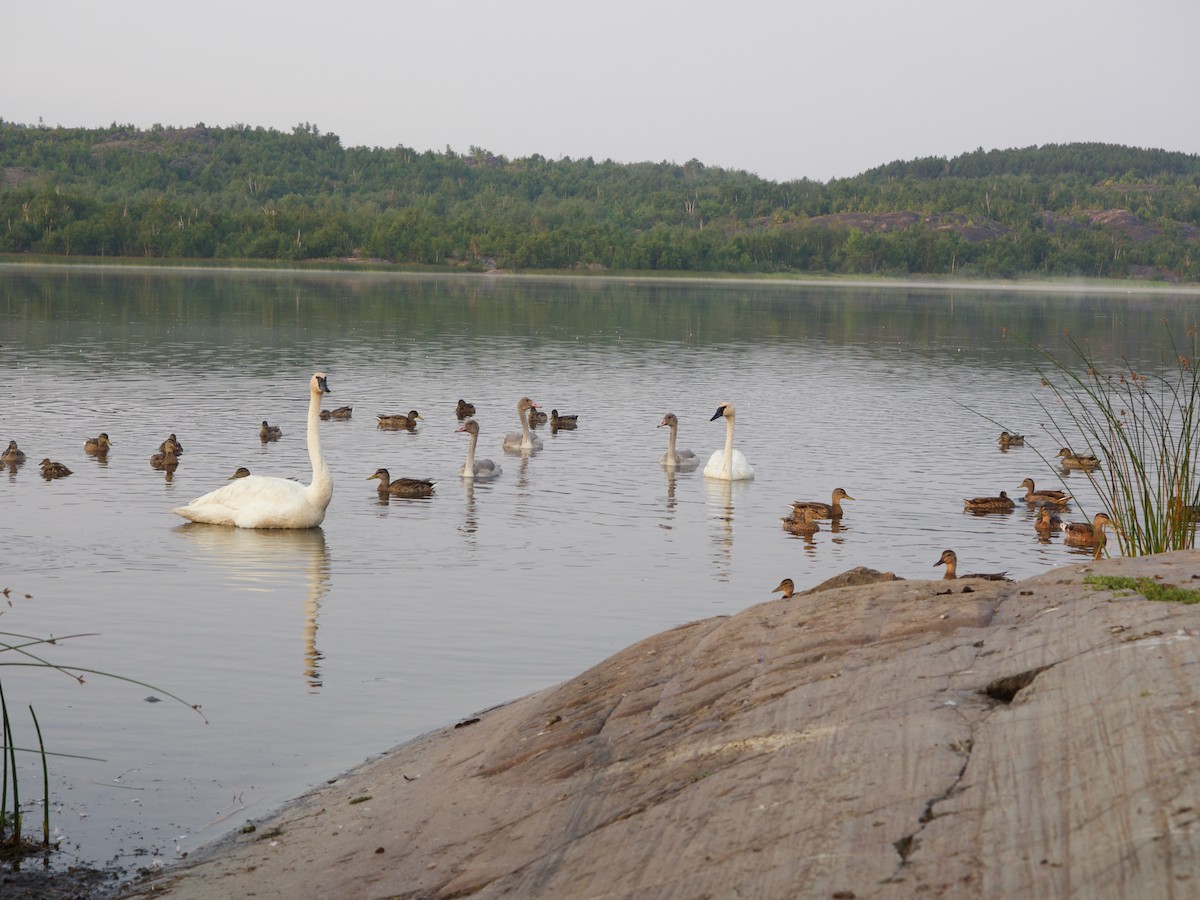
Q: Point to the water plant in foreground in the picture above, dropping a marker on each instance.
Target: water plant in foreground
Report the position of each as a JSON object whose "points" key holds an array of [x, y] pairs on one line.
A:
{"points": [[13, 842], [1144, 428]]}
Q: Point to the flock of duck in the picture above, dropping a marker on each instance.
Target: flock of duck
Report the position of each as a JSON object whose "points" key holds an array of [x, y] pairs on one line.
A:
{"points": [[260, 501], [1047, 502]]}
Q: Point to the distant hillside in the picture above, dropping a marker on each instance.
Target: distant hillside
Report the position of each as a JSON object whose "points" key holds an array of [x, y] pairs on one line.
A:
{"points": [[253, 193]]}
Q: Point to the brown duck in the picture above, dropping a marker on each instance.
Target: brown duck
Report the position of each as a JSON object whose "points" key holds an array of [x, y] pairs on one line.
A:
{"points": [[949, 559], [402, 487], [830, 510]]}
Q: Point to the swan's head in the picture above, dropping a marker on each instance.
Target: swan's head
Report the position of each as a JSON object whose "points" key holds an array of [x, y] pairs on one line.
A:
{"points": [[470, 426], [526, 403], [948, 558], [318, 384], [724, 409], [669, 419]]}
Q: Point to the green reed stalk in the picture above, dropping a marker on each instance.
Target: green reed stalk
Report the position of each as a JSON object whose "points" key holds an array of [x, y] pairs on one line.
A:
{"points": [[45, 781], [10, 765], [1144, 429]]}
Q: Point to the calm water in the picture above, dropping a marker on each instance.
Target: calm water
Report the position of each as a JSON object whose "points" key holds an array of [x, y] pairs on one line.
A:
{"points": [[311, 651]]}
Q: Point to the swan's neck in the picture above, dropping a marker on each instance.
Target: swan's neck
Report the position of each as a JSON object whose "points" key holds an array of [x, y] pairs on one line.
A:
{"points": [[671, 457], [322, 484], [526, 440], [469, 466], [727, 462]]}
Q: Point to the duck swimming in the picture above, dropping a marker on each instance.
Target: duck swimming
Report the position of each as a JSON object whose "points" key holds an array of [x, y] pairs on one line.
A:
{"points": [[13, 454], [1003, 503], [342, 412], [1046, 522], [567, 423], [98, 445], [1008, 439], [787, 587], [176, 447], [398, 421], [830, 510], [537, 417], [1088, 534], [269, 432], [801, 521], [464, 410], [949, 559], [1084, 461], [402, 487], [165, 459], [54, 470], [1044, 497], [242, 472]]}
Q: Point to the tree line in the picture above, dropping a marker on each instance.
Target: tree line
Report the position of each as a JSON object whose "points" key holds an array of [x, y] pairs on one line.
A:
{"points": [[243, 193]]}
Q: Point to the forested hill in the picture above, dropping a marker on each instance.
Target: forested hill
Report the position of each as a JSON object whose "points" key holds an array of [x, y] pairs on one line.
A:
{"points": [[253, 193]]}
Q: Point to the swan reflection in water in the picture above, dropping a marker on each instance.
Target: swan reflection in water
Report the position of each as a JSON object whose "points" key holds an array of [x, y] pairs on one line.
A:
{"points": [[269, 560], [720, 502]]}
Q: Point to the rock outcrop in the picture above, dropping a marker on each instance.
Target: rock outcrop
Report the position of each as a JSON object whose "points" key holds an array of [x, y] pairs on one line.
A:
{"points": [[891, 739]]}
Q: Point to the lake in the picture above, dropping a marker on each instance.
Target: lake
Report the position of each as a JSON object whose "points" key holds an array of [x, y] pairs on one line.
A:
{"points": [[310, 651]]}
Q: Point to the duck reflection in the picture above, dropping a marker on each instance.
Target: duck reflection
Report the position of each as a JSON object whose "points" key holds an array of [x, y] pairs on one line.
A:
{"points": [[269, 559]]}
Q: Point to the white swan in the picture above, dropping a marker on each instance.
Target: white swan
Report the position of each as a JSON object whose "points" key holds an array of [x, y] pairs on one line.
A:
{"points": [[727, 464], [523, 440], [475, 468], [678, 459], [261, 501]]}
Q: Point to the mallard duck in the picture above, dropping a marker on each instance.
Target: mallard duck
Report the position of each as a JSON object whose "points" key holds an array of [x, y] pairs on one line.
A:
{"points": [[398, 421], [242, 472], [831, 510], [562, 422], [801, 521], [1072, 460], [1045, 498], [787, 587], [98, 445], [13, 454], [673, 458], [402, 487], [269, 432], [342, 412], [1046, 522], [990, 504], [464, 410], [166, 459], [1007, 439], [949, 559], [54, 470], [176, 447], [537, 417], [1088, 534]]}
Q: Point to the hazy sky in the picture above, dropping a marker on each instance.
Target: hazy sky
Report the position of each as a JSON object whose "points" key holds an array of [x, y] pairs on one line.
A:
{"points": [[783, 88]]}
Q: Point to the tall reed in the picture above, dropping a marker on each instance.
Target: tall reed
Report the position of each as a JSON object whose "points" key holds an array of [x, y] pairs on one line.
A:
{"points": [[1144, 429]]}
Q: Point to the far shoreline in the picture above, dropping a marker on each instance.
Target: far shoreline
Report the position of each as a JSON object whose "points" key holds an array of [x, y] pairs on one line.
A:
{"points": [[1079, 285]]}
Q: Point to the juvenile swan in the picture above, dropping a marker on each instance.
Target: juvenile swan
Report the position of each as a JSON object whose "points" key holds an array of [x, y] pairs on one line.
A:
{"points": [[262, 501], [727, 464], [673, 458], [523, 440], [475, 468]]}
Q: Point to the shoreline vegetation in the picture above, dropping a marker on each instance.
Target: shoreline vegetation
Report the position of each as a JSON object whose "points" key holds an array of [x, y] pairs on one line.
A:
{"points": [[201, 193]]}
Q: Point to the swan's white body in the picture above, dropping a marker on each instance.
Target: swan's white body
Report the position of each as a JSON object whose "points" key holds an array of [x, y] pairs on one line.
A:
{"points": [[261, 501], [476, 468], [676, 459], [727, 464], [523, 440]]}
